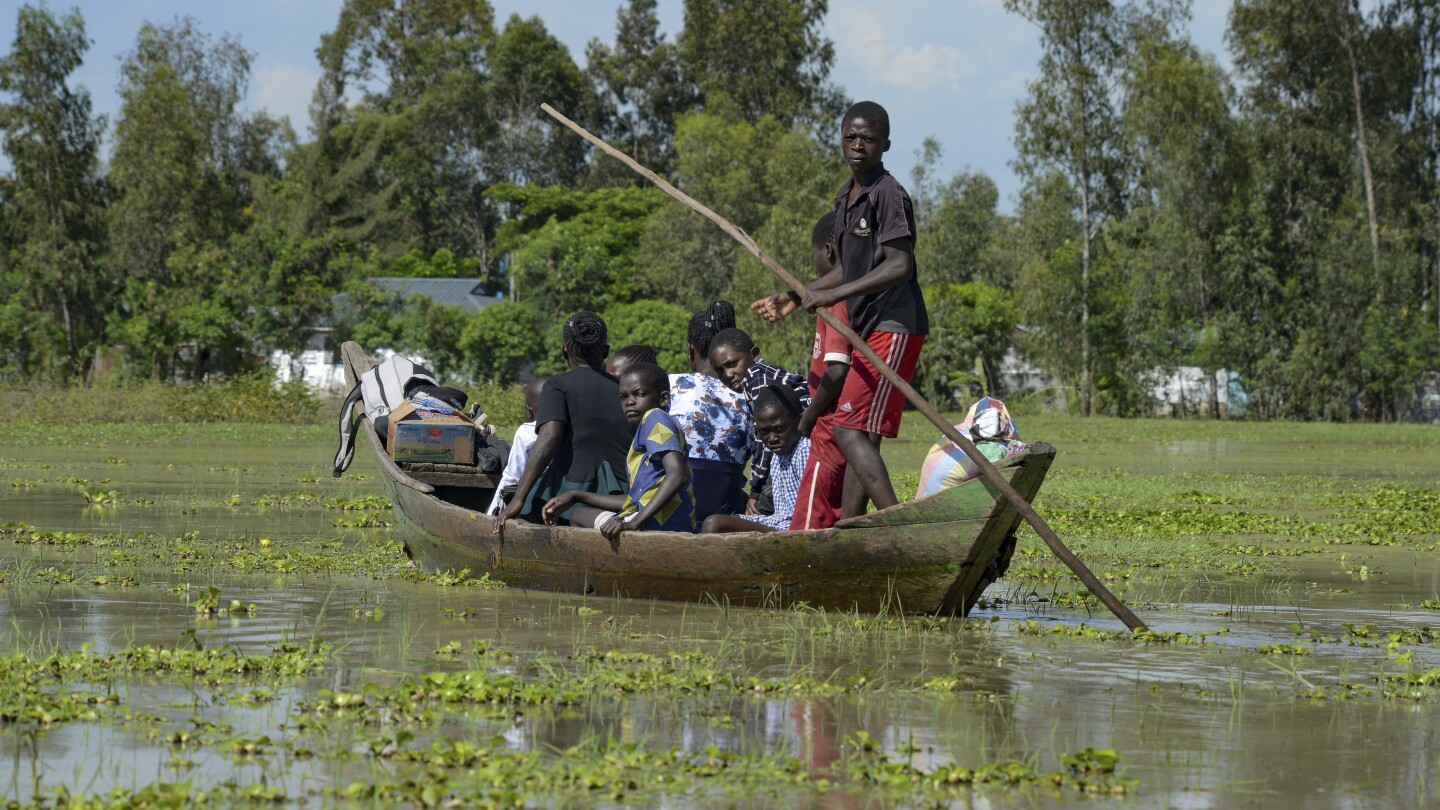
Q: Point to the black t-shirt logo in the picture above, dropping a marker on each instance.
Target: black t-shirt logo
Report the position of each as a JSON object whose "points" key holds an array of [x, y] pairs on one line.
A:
{"points": [[863, 229]]}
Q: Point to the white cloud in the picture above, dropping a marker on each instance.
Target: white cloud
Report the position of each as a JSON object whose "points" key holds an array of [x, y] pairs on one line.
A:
{"points": [[861, 36], [285, 90], [929, 65]]}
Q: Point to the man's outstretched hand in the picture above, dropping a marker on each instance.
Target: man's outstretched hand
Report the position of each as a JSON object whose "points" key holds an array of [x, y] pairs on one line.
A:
{"points": [[776, 307]]}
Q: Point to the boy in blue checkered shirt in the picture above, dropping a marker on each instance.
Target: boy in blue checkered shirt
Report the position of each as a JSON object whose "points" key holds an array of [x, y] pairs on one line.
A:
{"points": [[777, 411]]}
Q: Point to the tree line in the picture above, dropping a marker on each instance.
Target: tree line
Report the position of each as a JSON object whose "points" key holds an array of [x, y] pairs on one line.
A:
{"points": [[1280, 219]]}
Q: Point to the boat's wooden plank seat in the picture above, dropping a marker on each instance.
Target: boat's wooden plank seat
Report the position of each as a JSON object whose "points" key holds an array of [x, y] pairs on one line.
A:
{"points": [[451, 475]]}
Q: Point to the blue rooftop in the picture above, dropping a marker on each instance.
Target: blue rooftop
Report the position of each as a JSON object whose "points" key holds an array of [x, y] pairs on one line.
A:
{"points": [[463, 292]]}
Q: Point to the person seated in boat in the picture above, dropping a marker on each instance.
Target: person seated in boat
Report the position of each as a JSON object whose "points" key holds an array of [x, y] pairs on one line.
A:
{"points": [[777, 412], [716, 420], [659, 498], [581, 433], [634, 353], [519, 449], [737, 362]]}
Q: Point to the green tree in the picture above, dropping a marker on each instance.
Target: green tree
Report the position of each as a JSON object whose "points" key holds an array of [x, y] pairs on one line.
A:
{"points": [[1069, 124], [641, 78], [959, 222], [443, 263], [499, 341], [651, 323], [404, 167], [762, 58], [51, 281], [184, 164], [1192, 180], [529, 66], [1335, 99], [720, 161], [799, 177], [571, 250], [972, 325]]}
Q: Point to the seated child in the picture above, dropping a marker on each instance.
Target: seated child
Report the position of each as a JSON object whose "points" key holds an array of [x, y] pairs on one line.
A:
{"points": [[519, 449], [634, 353], [777, 424], [738, 364], [659, 497]]}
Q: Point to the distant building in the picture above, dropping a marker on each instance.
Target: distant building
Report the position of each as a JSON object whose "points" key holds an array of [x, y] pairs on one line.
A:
{"points": [[1185, 391], [447, 292], [318, 364]]}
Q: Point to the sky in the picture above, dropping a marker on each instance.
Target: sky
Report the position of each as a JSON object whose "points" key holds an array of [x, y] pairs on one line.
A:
{"points": [[952, 69]]}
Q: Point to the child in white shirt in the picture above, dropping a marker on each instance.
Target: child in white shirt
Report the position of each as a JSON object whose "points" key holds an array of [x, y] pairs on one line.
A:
{"points": [[519, 449]]}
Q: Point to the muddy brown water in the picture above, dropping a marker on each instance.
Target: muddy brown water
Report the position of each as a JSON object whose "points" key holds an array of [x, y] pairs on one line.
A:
{"points": [[1212, 727]]}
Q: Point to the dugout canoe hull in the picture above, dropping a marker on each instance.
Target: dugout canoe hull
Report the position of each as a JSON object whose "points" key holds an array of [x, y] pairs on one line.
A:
{"points": [[932, 555]]}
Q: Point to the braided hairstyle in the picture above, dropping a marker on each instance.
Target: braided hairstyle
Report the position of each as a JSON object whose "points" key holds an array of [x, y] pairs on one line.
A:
{"points": [[636, 353], [587, 337], [709, 322], [872, 114]]}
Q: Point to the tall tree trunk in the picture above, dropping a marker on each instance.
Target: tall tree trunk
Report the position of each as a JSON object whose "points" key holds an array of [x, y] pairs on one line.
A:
{"points": [[1085, 375], [1086, 233], [73, 362], [1427, 27], [1347, 38]]}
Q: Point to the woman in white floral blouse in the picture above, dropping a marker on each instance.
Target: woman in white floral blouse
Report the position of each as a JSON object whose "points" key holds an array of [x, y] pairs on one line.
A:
{"points": [[715, 419]]}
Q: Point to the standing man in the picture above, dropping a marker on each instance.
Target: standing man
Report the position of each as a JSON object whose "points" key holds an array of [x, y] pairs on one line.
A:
{"points": [[876, 277]]}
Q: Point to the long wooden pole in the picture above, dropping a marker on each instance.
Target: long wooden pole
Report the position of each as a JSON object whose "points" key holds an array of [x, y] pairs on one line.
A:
{"points": [[986, 468]]}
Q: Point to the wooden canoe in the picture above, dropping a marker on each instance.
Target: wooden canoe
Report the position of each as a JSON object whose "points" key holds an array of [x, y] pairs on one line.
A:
{"points": [[932, 555]]}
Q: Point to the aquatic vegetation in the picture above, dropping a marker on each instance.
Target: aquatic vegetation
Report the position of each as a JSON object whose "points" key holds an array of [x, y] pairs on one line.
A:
{"points": [[1283, 649], [606, 701], [452, 579], [213, 666], [369, 520]]}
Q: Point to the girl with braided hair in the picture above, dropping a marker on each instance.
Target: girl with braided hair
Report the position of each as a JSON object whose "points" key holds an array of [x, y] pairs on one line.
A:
{"points": [[581, 434], [714, 419], [625, 356]]}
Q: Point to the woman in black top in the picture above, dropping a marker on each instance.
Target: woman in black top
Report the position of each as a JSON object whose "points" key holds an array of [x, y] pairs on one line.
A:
{"points": [[581, 434]]}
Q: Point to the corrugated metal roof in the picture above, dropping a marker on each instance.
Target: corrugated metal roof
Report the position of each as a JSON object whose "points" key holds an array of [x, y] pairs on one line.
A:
{"points": [[465, 292]]}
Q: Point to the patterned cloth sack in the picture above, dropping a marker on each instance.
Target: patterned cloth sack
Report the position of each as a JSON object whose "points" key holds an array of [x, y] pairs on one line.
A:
{"points": [[989, 426]]}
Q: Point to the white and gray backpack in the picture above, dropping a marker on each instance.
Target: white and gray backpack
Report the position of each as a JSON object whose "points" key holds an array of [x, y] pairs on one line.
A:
{"points": [[381, 389]]}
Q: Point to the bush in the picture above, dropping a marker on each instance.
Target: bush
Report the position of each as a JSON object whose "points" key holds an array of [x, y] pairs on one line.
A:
{"points": [[249, 398], [503, 404], [654, 323], [500, 340]]}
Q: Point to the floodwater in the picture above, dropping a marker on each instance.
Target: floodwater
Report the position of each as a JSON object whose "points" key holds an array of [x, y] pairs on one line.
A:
{"points": [[1216, 726]]}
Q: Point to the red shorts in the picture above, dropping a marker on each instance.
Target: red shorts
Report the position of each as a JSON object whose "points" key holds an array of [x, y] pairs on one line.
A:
{"points": [[822, 485], [869, 402]]}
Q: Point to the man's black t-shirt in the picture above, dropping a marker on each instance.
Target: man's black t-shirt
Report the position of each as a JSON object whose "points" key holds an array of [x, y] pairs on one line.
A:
{"points": [[596, 430], [881, 213]]}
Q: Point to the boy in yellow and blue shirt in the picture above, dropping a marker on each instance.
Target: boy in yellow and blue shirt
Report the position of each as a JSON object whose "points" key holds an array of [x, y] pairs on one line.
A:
{"points": [[659, 498]]}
